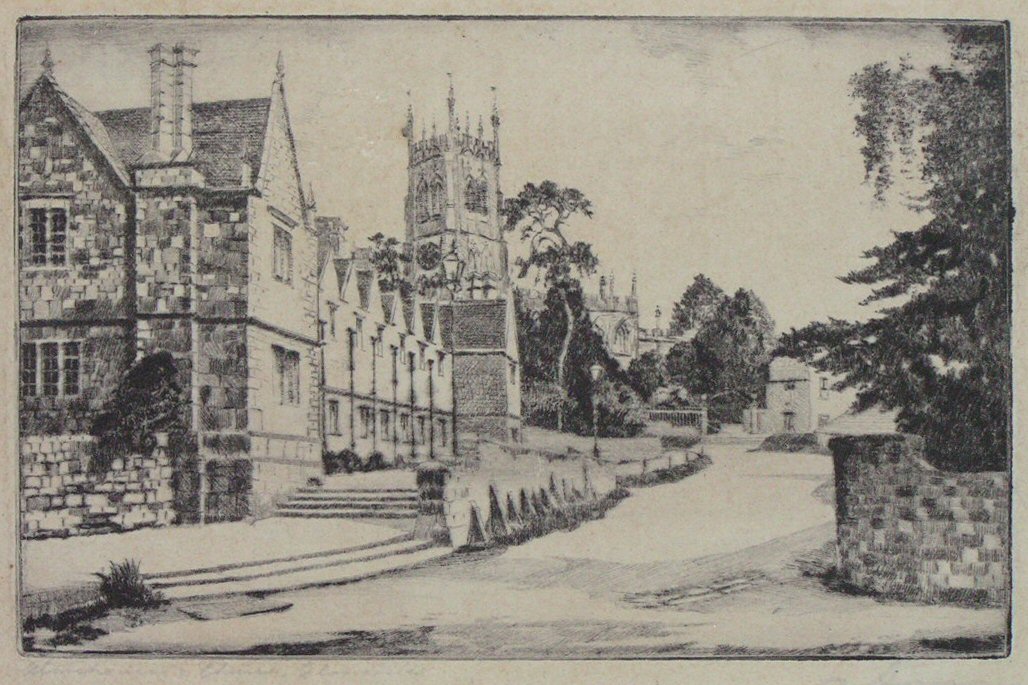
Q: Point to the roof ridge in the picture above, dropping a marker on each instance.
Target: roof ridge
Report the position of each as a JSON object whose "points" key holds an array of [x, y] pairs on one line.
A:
{"points": [[195, 104]]}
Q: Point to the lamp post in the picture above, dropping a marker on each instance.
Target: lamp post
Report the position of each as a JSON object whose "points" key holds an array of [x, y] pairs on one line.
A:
{"points": [[596, 372], [453, 270]]}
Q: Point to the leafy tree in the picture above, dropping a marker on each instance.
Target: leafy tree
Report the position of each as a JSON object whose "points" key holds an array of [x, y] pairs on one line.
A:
{"points": [[941, 355], [727, 359], [389, 261], [646, 373], [698, 303], [544, 399], [148, 399], [541, 213]]}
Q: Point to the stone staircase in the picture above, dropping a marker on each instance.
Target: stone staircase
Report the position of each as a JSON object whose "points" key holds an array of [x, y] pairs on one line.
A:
{"points": [[351, 503], [330, 567]]}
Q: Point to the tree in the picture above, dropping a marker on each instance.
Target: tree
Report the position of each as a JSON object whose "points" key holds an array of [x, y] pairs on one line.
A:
{"points": [[147, 400], [541, 213], [698, 303], [389, 260], [646, 373], [732, 351], [940, 351], [540, 332], [727, 359]]}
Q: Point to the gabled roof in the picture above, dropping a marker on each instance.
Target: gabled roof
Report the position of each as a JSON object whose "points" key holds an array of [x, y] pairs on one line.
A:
{"points": [[365, 281], [226, 135], [90, 124], [344, 267], [389, 307], [475, 324]]}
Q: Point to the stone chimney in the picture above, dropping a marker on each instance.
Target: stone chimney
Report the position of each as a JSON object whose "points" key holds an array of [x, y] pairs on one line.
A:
{"points": [[171, 101]]}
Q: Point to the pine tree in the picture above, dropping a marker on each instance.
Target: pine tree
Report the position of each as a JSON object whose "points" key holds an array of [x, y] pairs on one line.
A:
{"points": [[941, 355]]}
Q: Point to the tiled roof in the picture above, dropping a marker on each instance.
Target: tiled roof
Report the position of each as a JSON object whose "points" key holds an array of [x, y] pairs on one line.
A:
{"points": [[427, 319], [869, 421], [475, 324], [226, 135]]}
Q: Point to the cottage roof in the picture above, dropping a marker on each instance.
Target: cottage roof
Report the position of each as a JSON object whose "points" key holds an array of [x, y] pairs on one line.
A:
{"points": [[226, 135]]}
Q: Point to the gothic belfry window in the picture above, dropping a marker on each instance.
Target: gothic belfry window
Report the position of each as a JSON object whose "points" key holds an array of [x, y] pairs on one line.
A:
{"points": [[622, 338], [437, 197], [421, 201], [474, 195]]}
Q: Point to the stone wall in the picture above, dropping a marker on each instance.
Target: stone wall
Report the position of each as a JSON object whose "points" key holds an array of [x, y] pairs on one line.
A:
{"points": [[60, 496], [908, 531], [504, 491]]}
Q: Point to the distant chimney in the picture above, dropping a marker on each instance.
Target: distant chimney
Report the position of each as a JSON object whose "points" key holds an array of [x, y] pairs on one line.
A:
{"points": [[171, 101], [603, 287]]}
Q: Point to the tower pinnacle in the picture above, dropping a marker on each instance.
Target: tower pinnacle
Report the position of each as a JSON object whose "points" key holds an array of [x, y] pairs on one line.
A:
{"points": [[48, 62], [451, 104]]}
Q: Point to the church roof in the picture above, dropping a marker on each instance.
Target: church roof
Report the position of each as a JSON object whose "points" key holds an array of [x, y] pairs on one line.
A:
{"points": [[474, 324], [226, 135]]}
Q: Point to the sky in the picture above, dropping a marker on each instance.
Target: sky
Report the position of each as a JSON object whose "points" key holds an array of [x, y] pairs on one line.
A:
{"points": [[718, 147]]}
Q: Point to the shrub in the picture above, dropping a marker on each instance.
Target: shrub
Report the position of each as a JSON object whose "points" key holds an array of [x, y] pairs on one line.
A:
{"points": [[792, 442], [148, 399], [344, 461], [123, 586], [619, 413], [376, 462], [679, 442], [541, 402]]}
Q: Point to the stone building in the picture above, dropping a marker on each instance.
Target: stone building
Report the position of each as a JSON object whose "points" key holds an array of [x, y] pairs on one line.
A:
{"points": [[178, 227], [453, 207], [616, 317], [388, 381], [659, 339], [800, 399], [183, 228]]}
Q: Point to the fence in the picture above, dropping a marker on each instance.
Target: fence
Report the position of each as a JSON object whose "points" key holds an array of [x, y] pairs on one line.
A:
{"points": [[691, 418]]}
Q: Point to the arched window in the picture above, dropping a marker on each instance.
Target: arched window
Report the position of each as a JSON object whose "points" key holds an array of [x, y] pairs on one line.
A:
{"points": [[421, 201], [623, 338], [474, 195], [437, 197]]}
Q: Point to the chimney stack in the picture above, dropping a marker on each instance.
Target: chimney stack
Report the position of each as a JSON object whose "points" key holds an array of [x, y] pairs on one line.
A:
{"points": [[171, 101]]}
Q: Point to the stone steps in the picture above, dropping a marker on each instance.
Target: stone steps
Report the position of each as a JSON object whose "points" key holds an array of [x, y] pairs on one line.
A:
{"points": [[346, 513], [351, 503], [345, 569]]}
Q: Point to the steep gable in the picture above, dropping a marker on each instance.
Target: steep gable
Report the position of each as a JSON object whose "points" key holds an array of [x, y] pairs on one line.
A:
{"points": [[279, 177], [93, 130]]}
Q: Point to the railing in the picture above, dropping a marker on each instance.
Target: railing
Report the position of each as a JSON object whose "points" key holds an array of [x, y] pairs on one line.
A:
{"points": [[694, 418]]}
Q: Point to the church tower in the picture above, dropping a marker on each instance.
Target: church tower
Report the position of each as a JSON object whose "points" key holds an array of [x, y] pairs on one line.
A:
{"points": [[453, 205]]}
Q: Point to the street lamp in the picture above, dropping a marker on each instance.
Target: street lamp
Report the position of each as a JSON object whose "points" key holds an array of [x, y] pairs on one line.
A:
{"points": [[453, 269], [596, 372]]}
